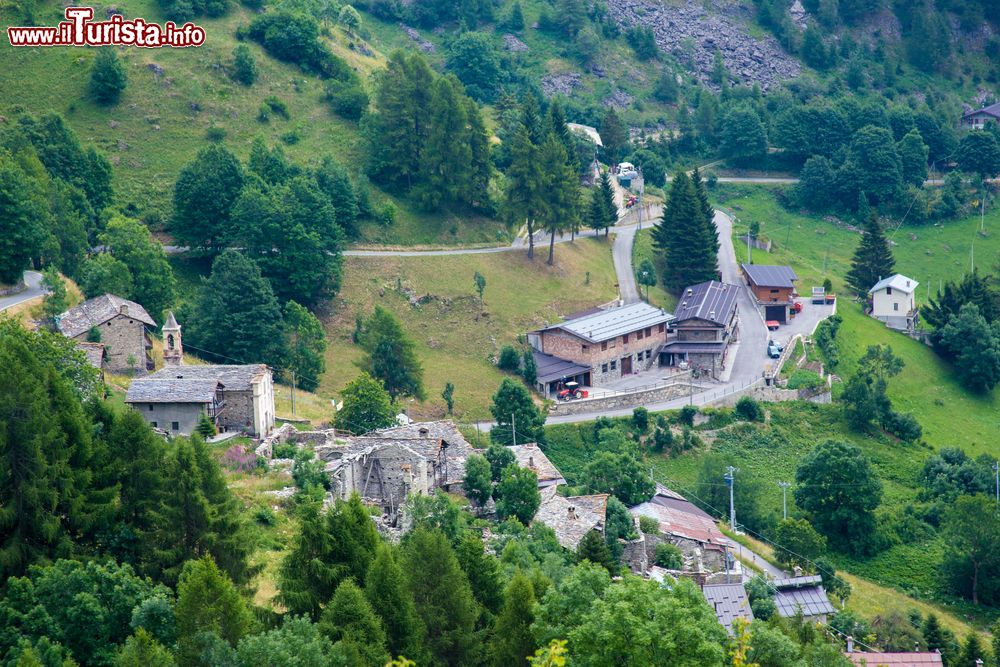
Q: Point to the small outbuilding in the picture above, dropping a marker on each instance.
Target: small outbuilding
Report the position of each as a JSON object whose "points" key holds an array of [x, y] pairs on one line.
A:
{"points": [[774, 289], [894, 302]]}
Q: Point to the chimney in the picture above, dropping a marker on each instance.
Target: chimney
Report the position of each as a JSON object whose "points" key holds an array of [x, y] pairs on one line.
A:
{"points": [[571, 513], [531, 461], [850, 644], [797, 571], [123, 309], [711, 315]]}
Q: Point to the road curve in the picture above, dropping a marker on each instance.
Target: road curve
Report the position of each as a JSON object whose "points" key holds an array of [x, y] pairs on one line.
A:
{"points": [[33, 279]]}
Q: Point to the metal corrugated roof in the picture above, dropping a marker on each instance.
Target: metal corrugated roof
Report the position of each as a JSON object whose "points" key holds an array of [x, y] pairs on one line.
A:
{"points": [[812, 600], [993, 110], [608, 324], [554, 368], [798, 582], [916, 659], [729, 601], [166, 390], [710, 301], [769, 276], [897, 281]]}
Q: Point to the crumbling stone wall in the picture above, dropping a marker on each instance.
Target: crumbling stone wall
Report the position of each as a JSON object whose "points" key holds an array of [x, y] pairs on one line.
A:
{"points": [[122, 336]]}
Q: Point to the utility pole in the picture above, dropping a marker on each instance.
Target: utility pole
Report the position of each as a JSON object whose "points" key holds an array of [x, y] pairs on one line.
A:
{"points": [[784, 501], [513, 429], [730, 478]]}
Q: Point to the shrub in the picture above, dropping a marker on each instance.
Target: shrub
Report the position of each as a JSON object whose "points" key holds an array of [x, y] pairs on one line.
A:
{"points": [[265, 516], [294, 37], [215, 134], [669, 556], [238, 459], [640, 419], [244, 65], [805, 379], [387, 216], [649, 525], [902, 425], [278, 106], [748, 409], [686, 415], [348, 99], [285, 450], [309, 471], [509, 360]]}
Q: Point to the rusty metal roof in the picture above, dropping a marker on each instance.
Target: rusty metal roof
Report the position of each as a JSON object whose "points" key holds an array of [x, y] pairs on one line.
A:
{"points": [[682, 519], [916, 659]]}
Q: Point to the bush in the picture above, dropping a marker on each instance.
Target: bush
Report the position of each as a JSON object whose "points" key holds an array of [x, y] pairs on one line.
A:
{"points": [[309, 471], [244, 66], [748, 409], [669, 556], [649, 525], [387, 216], [348, 99], [278, 106], [215, 134], [285, 450], [640, 419], [265, 516], [902, 425], [294, 37], [804, 379], [509, 360], [686, 415]]}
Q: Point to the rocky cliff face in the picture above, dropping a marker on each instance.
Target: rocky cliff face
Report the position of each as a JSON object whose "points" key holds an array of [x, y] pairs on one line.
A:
{"points": [[692, 34]]}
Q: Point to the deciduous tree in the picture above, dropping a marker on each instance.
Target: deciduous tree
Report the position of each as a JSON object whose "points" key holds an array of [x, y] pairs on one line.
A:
{"points": [[367, 406]]}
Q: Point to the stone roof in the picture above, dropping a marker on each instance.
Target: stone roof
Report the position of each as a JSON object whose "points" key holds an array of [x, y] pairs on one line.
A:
{"points": [[531, 456], [234, 378], [168, 390], [94, 312], [710, 301], [613, 322], [572, 518], [729, 601], [95, 353]]}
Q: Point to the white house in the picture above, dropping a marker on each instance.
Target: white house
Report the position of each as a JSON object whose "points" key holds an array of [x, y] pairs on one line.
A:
{"points": [[893, 302]]}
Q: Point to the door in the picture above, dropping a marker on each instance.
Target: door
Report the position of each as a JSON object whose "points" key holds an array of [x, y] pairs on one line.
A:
{"points": [[627, 365], [777, 313]]}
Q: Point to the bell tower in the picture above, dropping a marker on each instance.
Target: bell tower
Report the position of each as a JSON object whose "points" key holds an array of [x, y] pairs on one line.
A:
{"points": [[173, 347]]}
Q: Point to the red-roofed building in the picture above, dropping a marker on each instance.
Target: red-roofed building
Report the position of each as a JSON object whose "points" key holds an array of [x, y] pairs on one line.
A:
{"points": [[916, 659]]}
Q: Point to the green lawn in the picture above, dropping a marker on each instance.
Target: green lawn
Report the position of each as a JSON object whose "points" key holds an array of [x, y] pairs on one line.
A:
{"points": [[643, 249], [454, 337]]}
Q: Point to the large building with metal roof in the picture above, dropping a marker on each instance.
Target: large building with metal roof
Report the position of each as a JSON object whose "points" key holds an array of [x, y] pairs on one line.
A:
{"points": [[599, 346], [706, 322]]}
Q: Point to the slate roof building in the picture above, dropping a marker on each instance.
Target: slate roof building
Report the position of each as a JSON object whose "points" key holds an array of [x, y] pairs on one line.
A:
{"points": [[729, 601], [175, 405], [706, 322], [773, 287], [122, 327], [599, 346], [804, 593], [977, 119], [96, 354], [531, 456], [572, 517]]}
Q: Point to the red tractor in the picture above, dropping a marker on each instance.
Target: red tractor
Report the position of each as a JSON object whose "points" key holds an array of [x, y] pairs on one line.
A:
{"points": [[571, 391]]}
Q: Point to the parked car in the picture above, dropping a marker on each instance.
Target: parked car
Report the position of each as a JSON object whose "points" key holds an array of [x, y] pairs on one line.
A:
{"points": [[773, 349]]}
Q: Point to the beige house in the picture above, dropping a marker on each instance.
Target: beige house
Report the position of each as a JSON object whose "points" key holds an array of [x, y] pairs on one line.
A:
{"points": [[894, 303], [120, 324]]}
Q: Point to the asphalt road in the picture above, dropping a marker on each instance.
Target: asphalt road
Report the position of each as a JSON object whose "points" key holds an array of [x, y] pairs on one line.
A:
{"points": [[34, 282]]}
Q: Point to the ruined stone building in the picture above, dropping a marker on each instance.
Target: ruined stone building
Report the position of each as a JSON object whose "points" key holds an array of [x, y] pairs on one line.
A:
{"points": [[117, 323], [532, 457], [572, 517]]}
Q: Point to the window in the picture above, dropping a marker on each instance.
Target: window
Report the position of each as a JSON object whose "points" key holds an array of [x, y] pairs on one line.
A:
{"points": [[604, 368], [661, 328], [604, 346], [649, 353], [583, 348], [150, 407], [888, 290], [175, 426], [649, 331], [153, 424], [638, 334], [774, 291], [625, 339], [614, 365], [895, 306]]}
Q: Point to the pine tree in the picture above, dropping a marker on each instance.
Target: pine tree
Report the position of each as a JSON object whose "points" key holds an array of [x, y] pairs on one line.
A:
{"points": [[593, 548], [56, 301], [614, 136], [208, 602], [390, 598], [444, 150], [686, 237], [483, 571], [349, 622], [516, 20], [443, 598], [307, 578], [513, 642], [562, 188], [244, 65], [872, 260], [972, 650], [932, 633], [108, 78], [391, 355], [525, 197], [205, 428]]}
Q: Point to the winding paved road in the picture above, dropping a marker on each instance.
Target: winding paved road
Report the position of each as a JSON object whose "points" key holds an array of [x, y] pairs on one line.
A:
{"points": [[34, 281]]}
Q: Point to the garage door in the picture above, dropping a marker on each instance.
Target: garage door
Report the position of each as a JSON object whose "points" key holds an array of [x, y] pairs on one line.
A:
{"points": [[775, 313]]}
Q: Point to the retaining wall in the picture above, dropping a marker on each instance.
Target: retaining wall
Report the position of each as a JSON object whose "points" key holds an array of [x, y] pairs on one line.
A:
{"points": [[655, 395]]}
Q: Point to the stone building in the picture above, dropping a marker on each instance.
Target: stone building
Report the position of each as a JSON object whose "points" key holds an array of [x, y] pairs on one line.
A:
{"points": [[97, 355], [705, 324], [247, 404], [120, 324], [385, 466], [175, 405], [571, 518], [599, 346], [774, 289], [532, 457]]}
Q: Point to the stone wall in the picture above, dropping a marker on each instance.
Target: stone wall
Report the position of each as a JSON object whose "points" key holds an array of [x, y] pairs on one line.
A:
{"points": [[567, 346], [163, 416], [123, 336], [237, 413], [771, 394], [11, 290], [664, 392]]}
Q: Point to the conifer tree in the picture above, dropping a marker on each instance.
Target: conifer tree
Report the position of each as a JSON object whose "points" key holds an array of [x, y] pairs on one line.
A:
{"points": [[391, 355], [593, 548], [483, 571], [972, 650], [562, 192], [603, 212], [307, 577], [614, 136], [443, 598], [513, 642], [442, 176], [390, 598], [932, 633], [350, 623], [686, 236], [208, 602], [205, 428], [525, 198], [184, 518], [872, 260]]}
